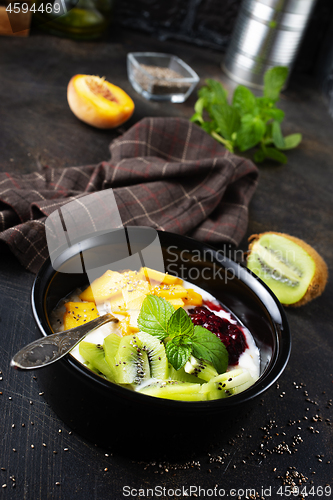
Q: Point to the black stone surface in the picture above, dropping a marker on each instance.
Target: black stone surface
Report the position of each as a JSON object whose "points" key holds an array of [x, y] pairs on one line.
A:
{"points": [[289, 430]]}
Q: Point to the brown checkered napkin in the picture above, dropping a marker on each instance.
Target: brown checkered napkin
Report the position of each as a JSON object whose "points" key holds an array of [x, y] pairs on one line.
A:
{"points": [[166, 173]]}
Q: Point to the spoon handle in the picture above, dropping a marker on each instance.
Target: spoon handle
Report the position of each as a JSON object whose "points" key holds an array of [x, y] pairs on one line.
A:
{"points": [[49, 349]]}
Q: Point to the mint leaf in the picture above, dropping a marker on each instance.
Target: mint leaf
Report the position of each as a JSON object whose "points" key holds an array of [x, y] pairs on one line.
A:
{"points": [[251, 132], [177, 354], [227, 119], [259, 156], [209, 127], [197, 117], [199, 105], [217, 93], [243, 100], [198, 108], [154, 316], [277, 135], [274, 79], [277, 114], [180, 324], [207, 346], [274, 154], [291, 141]]}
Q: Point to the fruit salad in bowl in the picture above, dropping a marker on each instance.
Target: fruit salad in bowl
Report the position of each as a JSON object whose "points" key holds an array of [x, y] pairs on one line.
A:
{"points": [[199, 342], [171, 339]]}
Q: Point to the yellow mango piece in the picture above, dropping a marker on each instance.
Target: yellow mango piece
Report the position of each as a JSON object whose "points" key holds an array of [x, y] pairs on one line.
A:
{"points": [[78, 313], [126, 327], [133, 310], [118, 306], [176, 303], [170, 291], [103, 288], [135, 290], [193, 298], [135, 304], [156, 276]]}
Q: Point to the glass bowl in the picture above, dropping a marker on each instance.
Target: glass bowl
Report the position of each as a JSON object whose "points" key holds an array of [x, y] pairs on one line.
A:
{"points": [[160, 77]]}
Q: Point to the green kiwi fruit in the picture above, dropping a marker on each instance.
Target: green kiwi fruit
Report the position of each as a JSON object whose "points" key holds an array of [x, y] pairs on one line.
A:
{"points": [[291, 268], [111, 346], [92, 368], [155, 350], [95, 357], [200, 369], [181, 376], [173, 389], [228, 383], [131, 362]]}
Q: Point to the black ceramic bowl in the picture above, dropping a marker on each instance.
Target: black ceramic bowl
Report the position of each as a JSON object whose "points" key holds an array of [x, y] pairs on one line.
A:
{"points": [[112, 416]]}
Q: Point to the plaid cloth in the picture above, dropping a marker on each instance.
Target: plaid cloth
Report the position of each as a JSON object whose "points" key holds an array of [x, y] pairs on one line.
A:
{"points": [[166, 173]]}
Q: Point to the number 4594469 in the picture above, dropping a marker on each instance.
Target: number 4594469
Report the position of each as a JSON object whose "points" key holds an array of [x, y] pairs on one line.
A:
{"points": [[24, 7]]}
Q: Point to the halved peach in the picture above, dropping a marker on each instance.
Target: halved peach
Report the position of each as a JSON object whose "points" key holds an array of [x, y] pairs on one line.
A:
{"points": [[98, 102]]}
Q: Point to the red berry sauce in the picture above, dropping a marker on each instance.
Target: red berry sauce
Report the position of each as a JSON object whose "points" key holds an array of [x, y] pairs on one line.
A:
{"points": [[230, 334]]}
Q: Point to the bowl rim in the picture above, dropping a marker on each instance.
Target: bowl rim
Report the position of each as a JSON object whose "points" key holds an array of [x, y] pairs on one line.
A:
{"points": [[273, 371]]}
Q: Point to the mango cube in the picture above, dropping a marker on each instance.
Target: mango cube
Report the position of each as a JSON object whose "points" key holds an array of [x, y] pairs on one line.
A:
{"points": [[170, 291], [193, 298], [135, 291], [126, 327], [176, 303], [103, 288], [158, 277], [78, 313]]}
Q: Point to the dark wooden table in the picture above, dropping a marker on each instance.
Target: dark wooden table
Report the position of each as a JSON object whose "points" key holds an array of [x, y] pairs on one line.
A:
{"points": [[288, 434]]}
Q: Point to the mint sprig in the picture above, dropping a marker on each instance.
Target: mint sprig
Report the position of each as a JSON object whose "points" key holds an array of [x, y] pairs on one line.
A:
{"points": [[158, 318], [248, 121]]}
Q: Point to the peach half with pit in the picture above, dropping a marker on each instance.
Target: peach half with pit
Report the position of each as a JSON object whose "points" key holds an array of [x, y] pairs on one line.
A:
{"points": [[98, 102]]}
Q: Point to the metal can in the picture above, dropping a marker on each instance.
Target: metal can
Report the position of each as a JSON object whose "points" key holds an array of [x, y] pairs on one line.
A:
{"points": [[267, 33]]}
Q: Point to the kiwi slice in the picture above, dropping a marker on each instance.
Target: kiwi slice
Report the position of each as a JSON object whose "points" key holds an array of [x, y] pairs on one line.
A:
{"points": [[181, 376], [200, 369], [292, 269], [95, 356], [156, 355], [111, 347], [131, 362], [174, 389], [227, 384]]}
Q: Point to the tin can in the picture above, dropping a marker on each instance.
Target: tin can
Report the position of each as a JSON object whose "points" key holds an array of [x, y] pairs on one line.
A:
{"points": [[267, 33]]}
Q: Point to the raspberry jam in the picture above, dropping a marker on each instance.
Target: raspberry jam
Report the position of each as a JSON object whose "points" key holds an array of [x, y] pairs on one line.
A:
{"points": [[230, 334]]}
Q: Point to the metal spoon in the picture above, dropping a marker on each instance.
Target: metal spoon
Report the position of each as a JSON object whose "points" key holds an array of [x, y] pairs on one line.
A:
{"points": [[47, 350]]}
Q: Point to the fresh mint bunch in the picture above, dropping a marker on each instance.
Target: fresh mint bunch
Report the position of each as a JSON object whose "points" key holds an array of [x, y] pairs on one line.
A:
{"points": [[176, 329], [249, 121]]}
